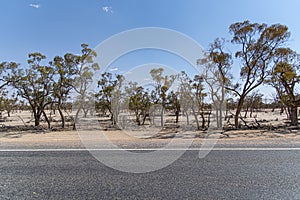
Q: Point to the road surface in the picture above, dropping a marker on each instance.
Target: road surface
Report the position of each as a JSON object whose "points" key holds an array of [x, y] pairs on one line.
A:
{"points": [[223, 174]]}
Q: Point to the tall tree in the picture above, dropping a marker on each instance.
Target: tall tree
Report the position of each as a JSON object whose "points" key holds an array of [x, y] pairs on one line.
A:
{"points": [[162, 84], [173, 104], [192, 97], [217, 65], [139, 103], [199, 93], [284, 78], [258, 43], [109, 94], [63, 82], [35, 85], [84, 67]]}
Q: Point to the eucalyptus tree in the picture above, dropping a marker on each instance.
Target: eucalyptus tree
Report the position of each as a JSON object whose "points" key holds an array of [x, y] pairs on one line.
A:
{"points": [[284, 78], [139, 103], [6, 70], [216, 74], [173, 104], [186, 98], [34, 84], [198, 91], [257, 43], [83, 67], [162, 84], [62, 84], [109, 94], [192, 98]]}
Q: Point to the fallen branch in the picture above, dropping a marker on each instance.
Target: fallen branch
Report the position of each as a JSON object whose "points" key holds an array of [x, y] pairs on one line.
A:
{"points": [[256, 121], [22, 120], [245, 123]]}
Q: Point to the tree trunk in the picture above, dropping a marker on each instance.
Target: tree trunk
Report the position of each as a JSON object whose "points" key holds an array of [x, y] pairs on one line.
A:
{"points": [[203, 120], [282, 109], [153, 118], [208, 120], [85, 111], [196, 119], [37, 117], [36, 122], [177, 116], [238, 111], [187, 118], [144, 118], [217, 117], [294, 116], [251, 112], [220, 124], [113, 119], [162, 117], [47, 120], [137, 118], [62, 117], [246, 112], [76, 117]]}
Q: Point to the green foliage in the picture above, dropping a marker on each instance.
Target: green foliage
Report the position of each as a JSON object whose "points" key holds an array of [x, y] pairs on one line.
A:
{"points": [[217, 63], [6, 71], [109, 90], [258, 43], [8, 103], [83, 67], [161, 85], [261, 54], [284, 78], [139, 102], [34, 84], [173, 104]]}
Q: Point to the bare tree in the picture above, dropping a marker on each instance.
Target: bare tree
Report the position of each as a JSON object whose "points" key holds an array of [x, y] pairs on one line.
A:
{"points": [[217, 64], [192, 98]]}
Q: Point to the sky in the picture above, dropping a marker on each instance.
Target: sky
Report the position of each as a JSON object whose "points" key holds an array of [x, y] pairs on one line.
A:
{"points": [[55, 27]]}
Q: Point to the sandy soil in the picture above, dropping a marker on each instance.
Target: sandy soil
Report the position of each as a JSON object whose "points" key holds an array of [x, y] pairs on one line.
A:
{"points": [[72, 139]]}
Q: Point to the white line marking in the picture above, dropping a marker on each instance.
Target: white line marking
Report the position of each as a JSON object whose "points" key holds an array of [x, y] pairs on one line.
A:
{"points": [[156, 149]]}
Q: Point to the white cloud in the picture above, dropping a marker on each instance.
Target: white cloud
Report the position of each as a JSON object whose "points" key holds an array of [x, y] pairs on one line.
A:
{"points": [[113, 69], [107, 9], [37, 6], [127, 73]]}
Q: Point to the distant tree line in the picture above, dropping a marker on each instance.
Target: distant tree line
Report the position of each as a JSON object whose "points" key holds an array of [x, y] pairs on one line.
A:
{"points": [[262, 54]]}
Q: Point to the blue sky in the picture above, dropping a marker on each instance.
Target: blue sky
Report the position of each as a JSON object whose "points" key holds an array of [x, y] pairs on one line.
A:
{"points": [[54, 27], [58, 26]]}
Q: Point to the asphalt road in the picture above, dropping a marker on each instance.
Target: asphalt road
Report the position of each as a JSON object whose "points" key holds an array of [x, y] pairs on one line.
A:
{"points": [[220, 175]]}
